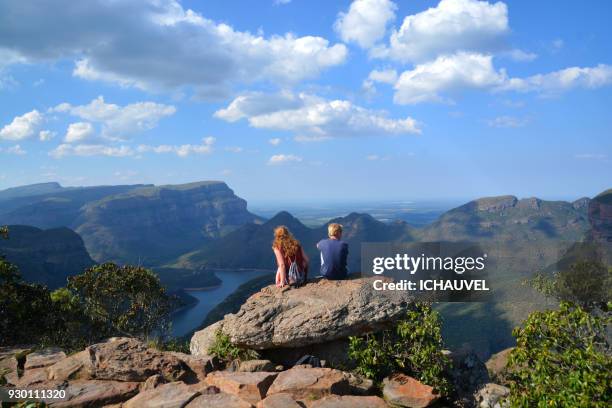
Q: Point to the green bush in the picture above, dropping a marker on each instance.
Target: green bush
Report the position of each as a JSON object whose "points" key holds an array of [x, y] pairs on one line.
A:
{"points": [[413, 347], [223, 348], [561, 359]]}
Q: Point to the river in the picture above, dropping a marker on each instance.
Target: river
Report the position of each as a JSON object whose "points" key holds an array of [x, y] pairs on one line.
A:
{"points": [[186, 320]]}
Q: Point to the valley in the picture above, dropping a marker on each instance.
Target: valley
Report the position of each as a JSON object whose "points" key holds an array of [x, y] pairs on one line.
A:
{"points": [[201, 236]]}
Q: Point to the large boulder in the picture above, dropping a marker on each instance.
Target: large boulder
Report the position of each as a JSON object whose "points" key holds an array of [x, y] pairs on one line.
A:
{"points": [[318, 312]]}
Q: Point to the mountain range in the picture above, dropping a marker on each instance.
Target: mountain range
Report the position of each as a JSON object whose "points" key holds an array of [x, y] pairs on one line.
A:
{"points": [[183, 231], [141, 224]]}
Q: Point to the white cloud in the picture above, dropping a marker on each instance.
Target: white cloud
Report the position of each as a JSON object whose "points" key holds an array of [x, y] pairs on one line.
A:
{"points": [[451, 26], [447, 73], [372, 157], [275, 141], [14, 150], [386, 76], [310, 116], [365, 22], [507, 122], [234, 149], [79, 131], [281, 2], [158, 45], [519, 55], [90, 150], [454, 73], [181, 150], [562, 80], [283, 159], [119, 121], [22, 127], [46, 135]]}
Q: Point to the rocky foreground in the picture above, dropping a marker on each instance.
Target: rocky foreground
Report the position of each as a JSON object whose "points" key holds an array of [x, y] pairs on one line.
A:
{"points": [[279, 324]]}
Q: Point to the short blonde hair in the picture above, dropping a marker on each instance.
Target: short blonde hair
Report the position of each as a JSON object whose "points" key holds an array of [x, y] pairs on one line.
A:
{"points": [[334, 230]]}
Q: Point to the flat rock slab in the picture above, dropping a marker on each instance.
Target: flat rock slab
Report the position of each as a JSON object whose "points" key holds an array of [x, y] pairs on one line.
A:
{"points": [[78, 365], [349, 401], [405, 391], [44, 358], [221, 400], [281, 400], [32, 377], [317, 312], [304, 383], [251, 387], [171, 395], [127, 359], [93, 393]]}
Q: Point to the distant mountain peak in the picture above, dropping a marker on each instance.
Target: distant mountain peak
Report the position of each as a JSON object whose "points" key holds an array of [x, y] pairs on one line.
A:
{"points": [[284, 218], [581, 203], [493, 204]]}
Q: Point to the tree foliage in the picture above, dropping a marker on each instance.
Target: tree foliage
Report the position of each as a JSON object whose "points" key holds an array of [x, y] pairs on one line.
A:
{"points": [[123, 300], [413, 347], [586, 282], [562, 359], [106, 300]]}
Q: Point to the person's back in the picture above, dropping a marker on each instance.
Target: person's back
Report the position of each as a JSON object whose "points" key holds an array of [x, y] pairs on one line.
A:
{"points": [[334, 254]]}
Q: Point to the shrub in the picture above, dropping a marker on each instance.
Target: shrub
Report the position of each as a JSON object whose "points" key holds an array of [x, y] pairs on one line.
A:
{"points": [[561, 359], [223, 348], [413, 347]]}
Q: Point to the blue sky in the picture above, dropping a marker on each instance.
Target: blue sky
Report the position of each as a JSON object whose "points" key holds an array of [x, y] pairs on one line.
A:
{"points": [[310, 100]]}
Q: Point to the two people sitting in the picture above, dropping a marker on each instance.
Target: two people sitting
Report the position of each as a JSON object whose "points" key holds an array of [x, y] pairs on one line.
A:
{"points": [[293, 263]]}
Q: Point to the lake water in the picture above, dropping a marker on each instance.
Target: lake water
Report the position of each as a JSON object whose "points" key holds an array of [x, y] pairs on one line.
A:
{"points": [[189, 319]]}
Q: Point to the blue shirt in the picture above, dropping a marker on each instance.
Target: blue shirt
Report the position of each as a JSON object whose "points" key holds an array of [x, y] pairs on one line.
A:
{"points": [[333, 258]]}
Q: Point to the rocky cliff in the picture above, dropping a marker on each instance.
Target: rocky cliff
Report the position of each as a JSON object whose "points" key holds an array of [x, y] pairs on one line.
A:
{"points": [[46, 256], [131, 224], [151, 224]]}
